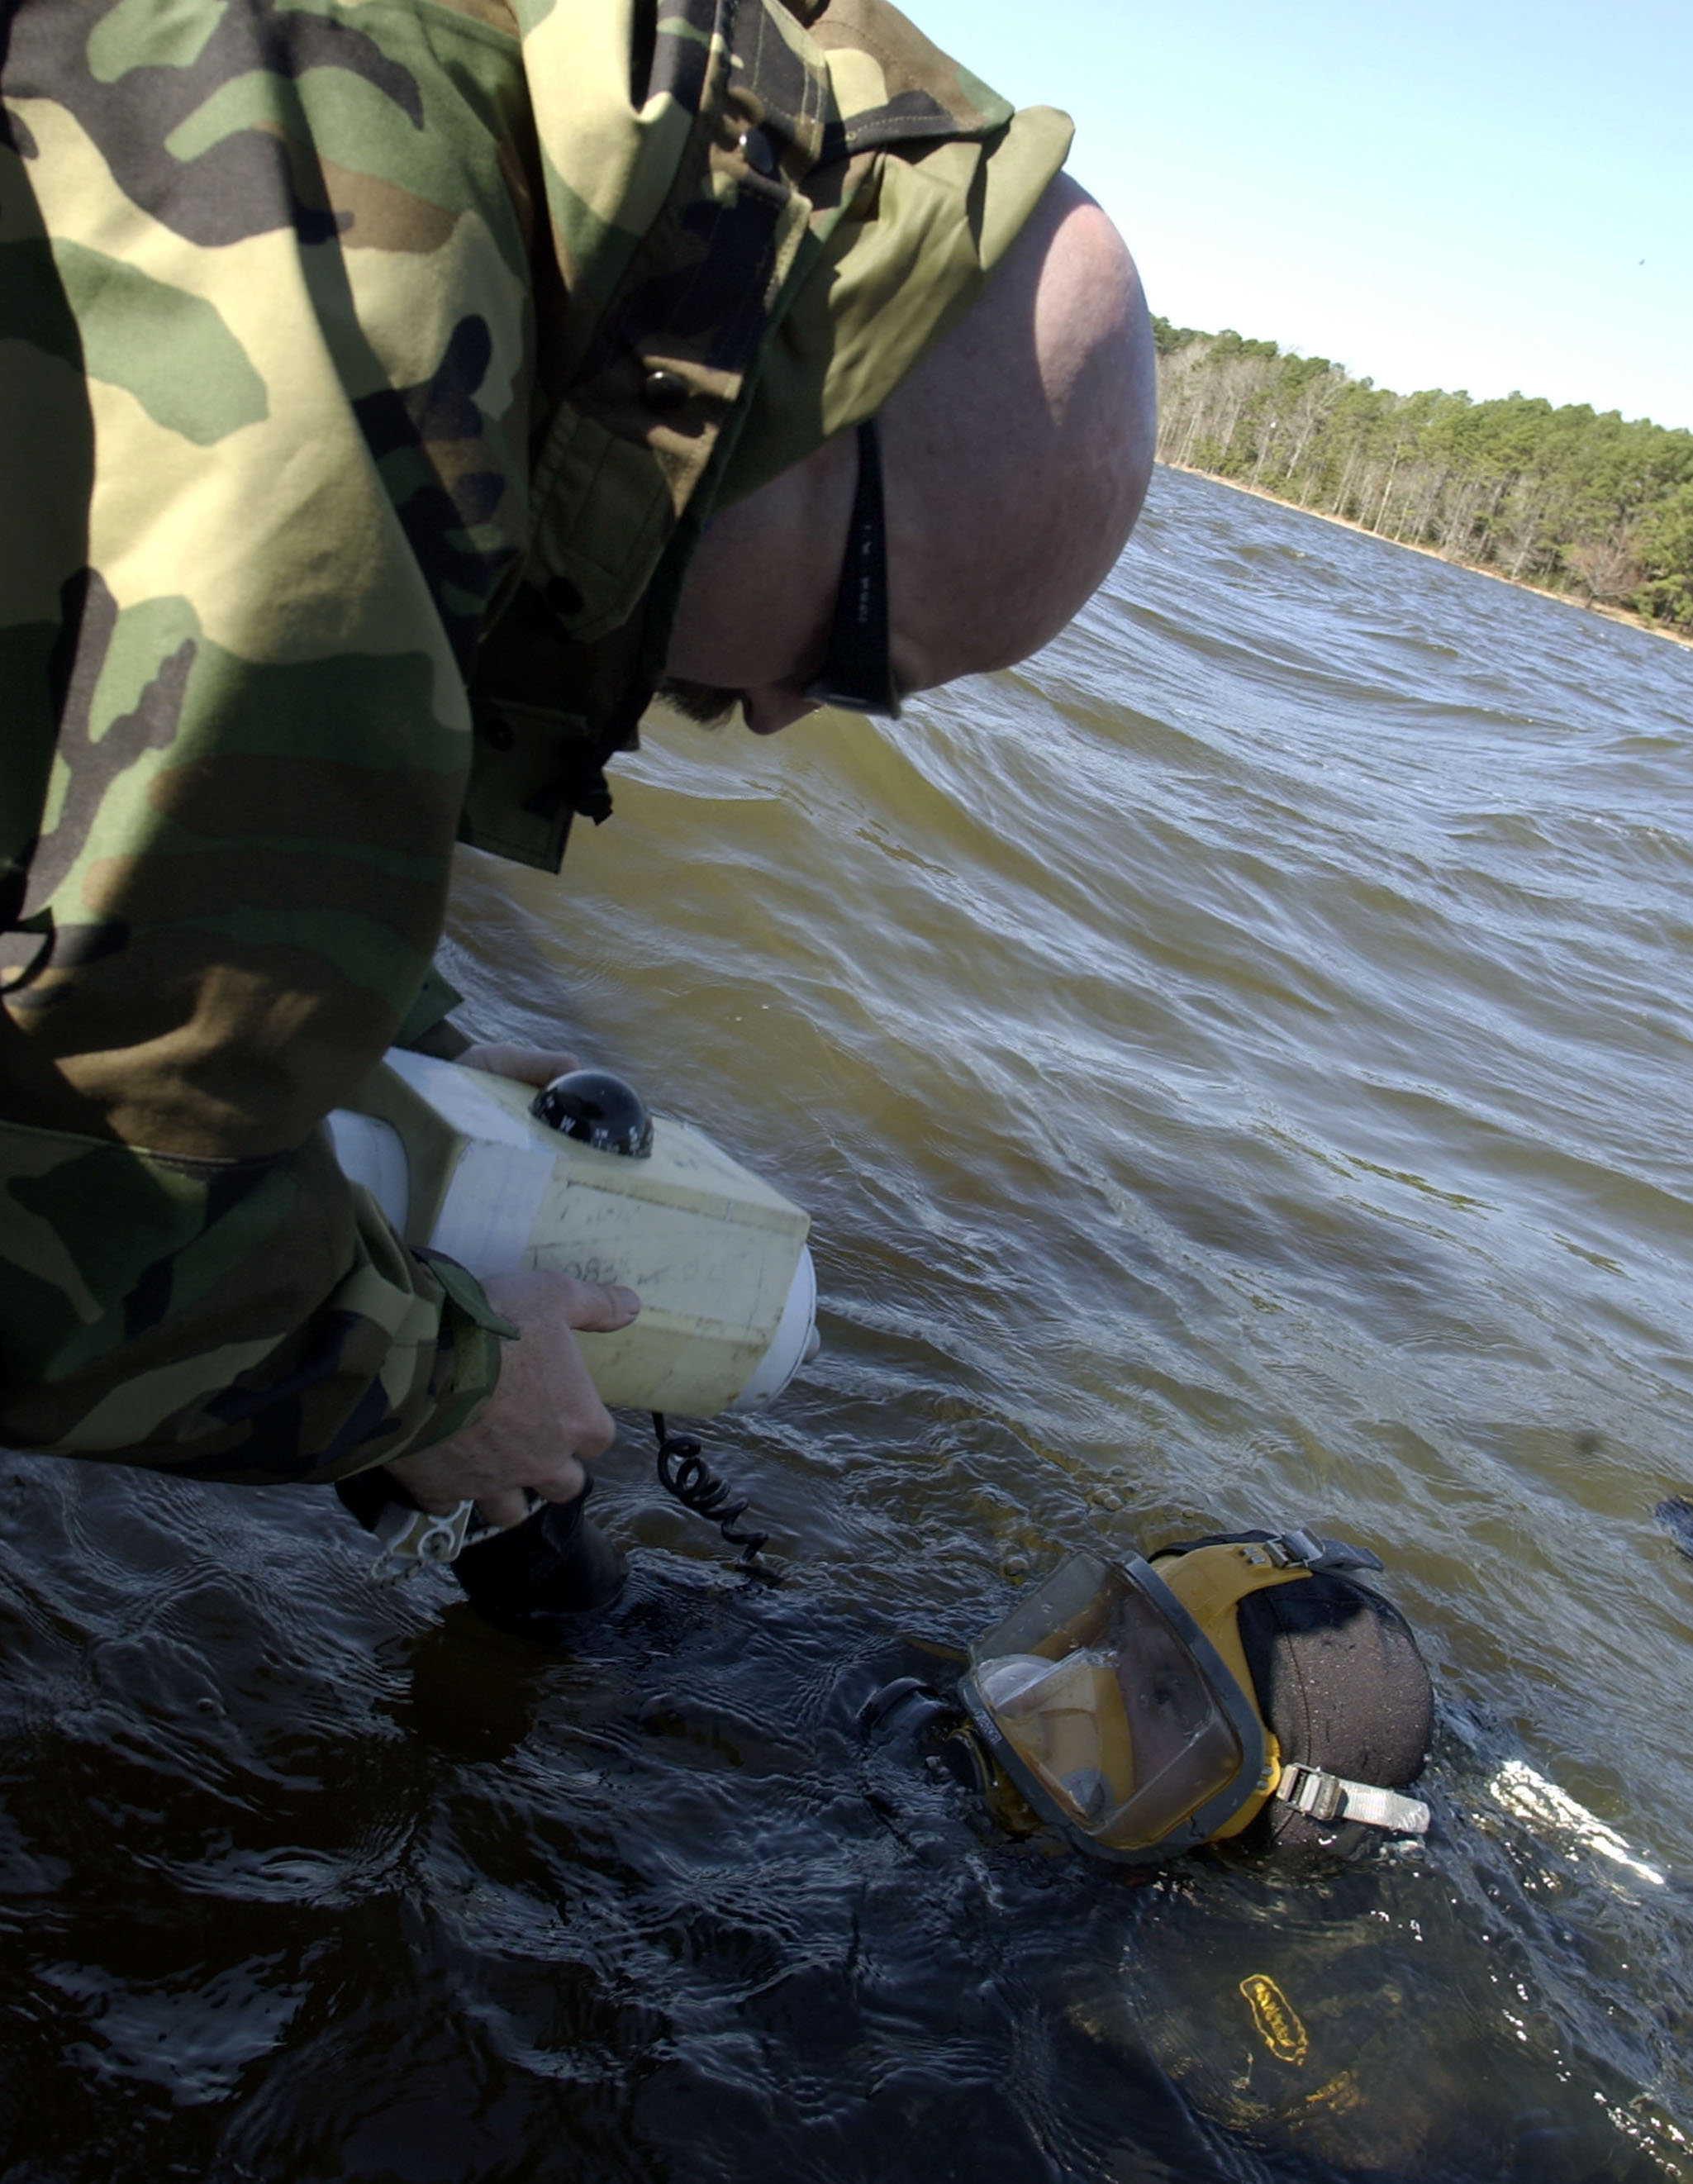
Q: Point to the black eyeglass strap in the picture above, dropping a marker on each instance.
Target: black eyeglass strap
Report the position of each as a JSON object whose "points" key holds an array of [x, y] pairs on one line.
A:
{"points": [[857, 672]]}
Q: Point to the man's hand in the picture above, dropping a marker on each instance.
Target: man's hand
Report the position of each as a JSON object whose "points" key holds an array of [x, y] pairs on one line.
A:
{"points": [[544, 1417]]}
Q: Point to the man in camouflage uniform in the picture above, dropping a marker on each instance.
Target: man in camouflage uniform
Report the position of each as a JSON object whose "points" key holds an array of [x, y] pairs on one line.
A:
{"points": [[368, 374]]}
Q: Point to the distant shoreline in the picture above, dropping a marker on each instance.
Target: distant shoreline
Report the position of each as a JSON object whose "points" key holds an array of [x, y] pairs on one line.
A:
{"points": [[1434, 554]]}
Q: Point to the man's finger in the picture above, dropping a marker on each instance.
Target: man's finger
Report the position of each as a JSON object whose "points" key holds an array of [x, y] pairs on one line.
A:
{"points": [[596, 1310], [509, 1507], [533, 1296]]}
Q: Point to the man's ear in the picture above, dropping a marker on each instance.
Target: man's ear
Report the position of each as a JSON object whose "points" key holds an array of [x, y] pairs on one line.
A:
{"points": [[763, 576]]}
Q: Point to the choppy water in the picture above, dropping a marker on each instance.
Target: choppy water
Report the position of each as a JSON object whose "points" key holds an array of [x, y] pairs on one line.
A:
{"points": [[1238, 1069]]}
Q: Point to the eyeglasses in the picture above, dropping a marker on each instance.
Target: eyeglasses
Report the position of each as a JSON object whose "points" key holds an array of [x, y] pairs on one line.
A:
{"points": [[857, 674]]}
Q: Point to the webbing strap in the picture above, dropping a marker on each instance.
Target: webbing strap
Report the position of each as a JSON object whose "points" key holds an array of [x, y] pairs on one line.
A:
{"points": [[1323, 1796]]}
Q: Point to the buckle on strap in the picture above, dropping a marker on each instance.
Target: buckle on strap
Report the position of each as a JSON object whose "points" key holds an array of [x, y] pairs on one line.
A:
{"points": [[409, 1538], [1299, 1546], [412, 1537], [1323, 1797]]}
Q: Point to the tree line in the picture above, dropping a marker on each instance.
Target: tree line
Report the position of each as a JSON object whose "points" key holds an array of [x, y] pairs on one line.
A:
{"points": [[1570, 500]]}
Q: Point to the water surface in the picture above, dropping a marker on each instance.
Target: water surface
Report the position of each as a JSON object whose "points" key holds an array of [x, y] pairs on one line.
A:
{"points": [[1238, 1067]]}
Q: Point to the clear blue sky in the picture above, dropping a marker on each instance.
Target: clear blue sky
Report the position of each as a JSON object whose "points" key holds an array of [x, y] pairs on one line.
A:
{"points": [[1473, 193]]}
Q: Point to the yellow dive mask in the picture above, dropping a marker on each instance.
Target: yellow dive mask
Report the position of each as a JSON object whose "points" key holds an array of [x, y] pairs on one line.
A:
{"points": [[1119, 1701]]}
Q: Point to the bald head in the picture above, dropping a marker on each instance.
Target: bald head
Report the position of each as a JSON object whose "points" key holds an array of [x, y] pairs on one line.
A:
{"points": [[1018, 450], [1016, 456]]}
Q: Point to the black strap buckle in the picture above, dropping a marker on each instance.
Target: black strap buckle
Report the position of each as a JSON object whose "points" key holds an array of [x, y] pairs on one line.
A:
{"points": [[40, 924]]}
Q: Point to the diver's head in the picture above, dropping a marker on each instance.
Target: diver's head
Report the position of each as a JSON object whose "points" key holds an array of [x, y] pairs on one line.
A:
{"points": [[1241, 1687]]}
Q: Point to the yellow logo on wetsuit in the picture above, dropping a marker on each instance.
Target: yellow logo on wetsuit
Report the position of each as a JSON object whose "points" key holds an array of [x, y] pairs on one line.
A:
{"points": [[1277, 2019]]}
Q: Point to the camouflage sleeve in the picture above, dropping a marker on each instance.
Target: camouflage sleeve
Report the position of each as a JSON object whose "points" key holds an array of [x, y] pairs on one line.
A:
{"points": [[250, 1320], [265, 355], [427, 1026], [279, 285]]}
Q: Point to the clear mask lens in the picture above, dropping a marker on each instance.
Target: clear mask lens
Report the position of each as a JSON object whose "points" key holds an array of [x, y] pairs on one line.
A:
{"points": [[1105, 1711]]}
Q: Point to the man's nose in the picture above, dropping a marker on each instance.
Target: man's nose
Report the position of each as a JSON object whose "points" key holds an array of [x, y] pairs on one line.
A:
{"points": [[774, 705]]}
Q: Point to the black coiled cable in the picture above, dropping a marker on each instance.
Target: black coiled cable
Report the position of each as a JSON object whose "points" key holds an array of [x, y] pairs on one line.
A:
{"points": [[684, 1472]]}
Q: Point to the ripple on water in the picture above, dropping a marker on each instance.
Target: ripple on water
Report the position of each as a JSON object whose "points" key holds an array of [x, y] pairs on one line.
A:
{"points": [[1237, 1067]]}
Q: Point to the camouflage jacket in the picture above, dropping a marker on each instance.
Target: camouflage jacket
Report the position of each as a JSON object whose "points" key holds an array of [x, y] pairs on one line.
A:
{"points": [[366, 369]]}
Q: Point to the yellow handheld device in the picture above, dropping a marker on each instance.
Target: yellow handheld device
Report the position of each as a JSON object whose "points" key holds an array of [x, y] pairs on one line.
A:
{"points": [[579, 1177]]}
